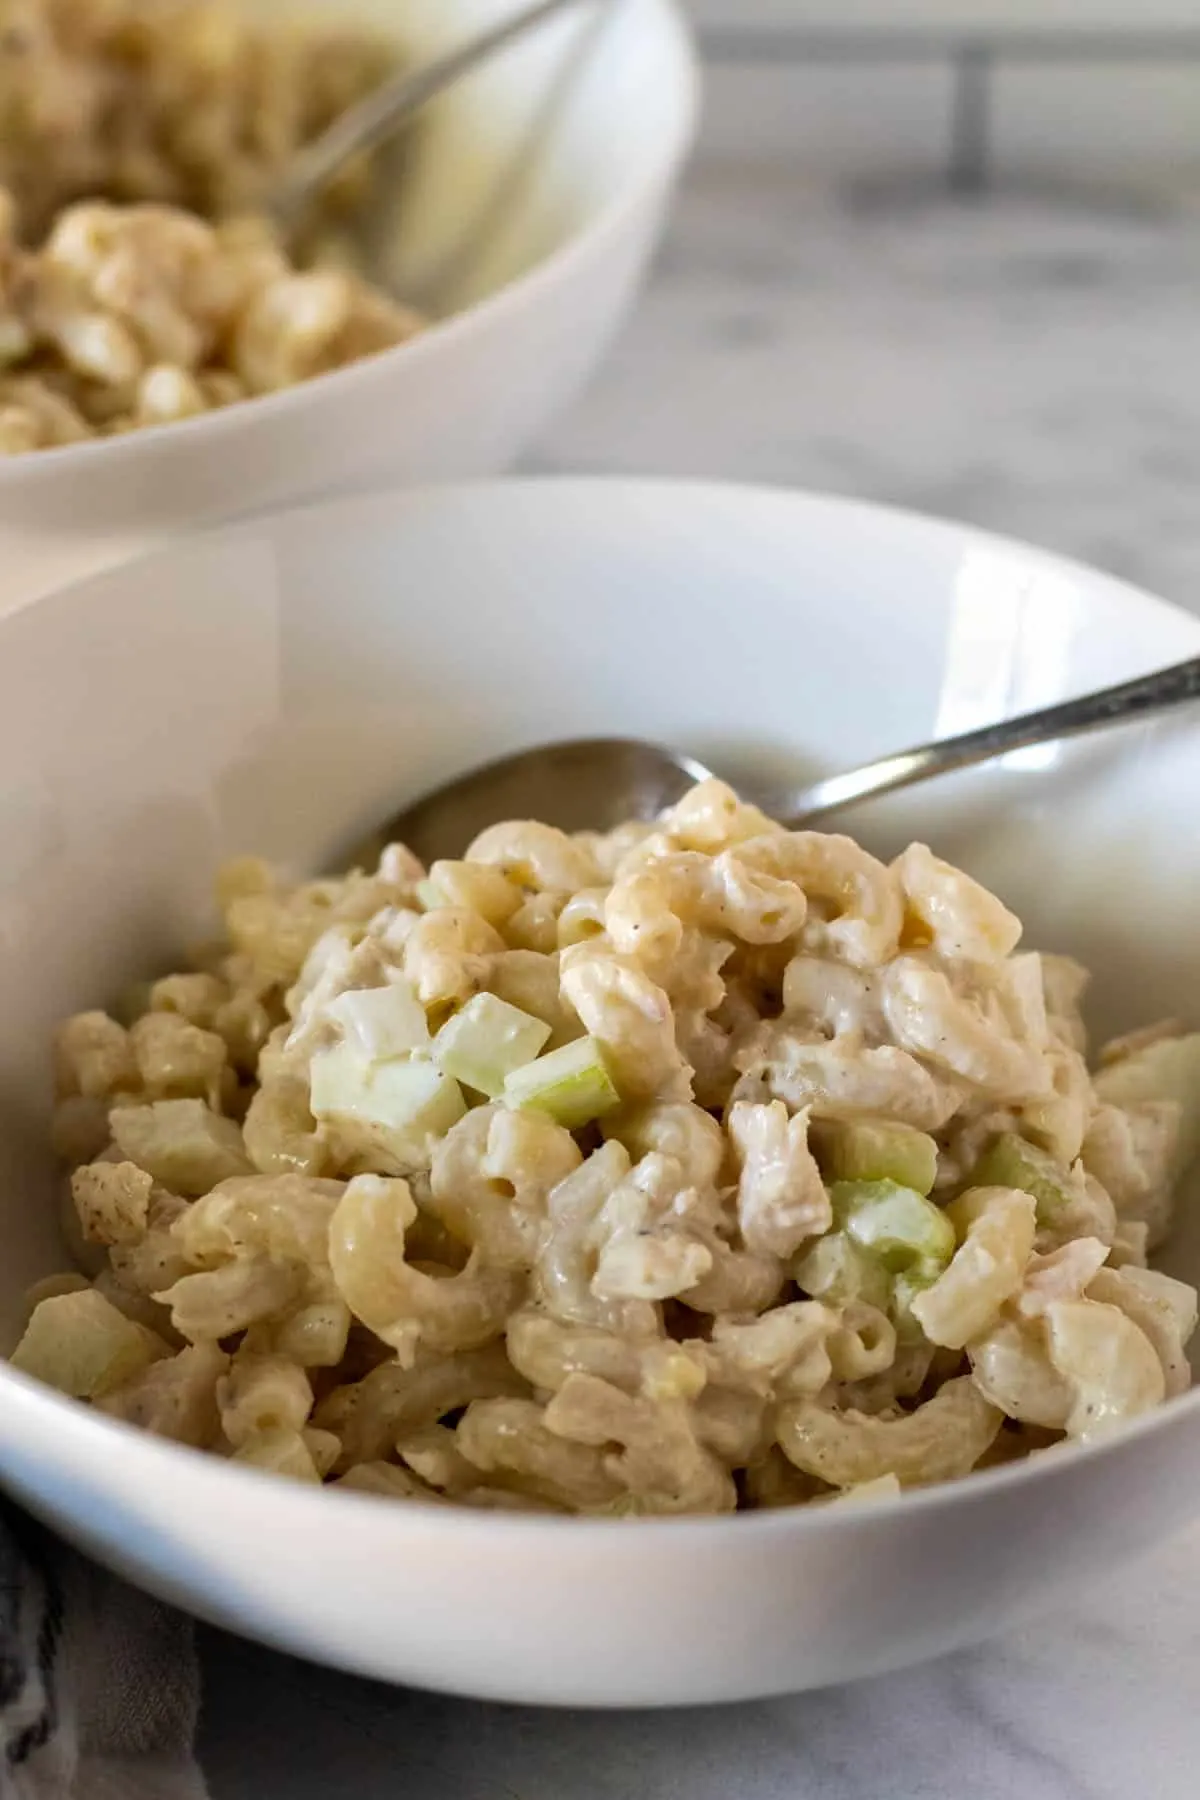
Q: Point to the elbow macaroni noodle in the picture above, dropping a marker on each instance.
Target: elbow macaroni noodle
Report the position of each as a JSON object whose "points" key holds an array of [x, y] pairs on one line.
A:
{"points": [[844, 1213], [138, 284]]}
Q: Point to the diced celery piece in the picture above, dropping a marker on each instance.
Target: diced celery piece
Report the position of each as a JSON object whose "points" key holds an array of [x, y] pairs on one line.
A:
{"points": [[80, 1344], [487, 1041], [837, 1271], [573, 1085], [899, 1228], [429, 895], [407, 1103], [905, 1288], [1166, 1070], [1012, 1163], [875, 1150], [383, 1021]]}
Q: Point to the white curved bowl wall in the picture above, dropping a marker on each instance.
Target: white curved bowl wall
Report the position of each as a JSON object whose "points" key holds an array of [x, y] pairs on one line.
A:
{"points": [[281, 686]]}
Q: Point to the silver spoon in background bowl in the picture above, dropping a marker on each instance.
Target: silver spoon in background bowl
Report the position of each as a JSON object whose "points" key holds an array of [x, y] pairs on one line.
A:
{"points": [[371, 121], [593, 784]]}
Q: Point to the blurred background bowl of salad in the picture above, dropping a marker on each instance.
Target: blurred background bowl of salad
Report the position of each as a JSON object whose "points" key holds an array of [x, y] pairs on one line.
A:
{"points": [[519, 215]]}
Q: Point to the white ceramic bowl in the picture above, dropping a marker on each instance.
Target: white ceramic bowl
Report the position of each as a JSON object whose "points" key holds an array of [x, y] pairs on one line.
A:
{"points": [[527, 212], [281, 686]]}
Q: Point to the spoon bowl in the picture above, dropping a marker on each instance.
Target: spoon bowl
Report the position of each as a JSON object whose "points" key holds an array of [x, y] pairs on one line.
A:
{"points": [[593, 784], [581, 784]]}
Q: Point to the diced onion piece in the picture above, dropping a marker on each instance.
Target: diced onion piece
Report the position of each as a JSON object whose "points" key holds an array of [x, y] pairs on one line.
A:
{"points": [[894, 1225], [324, 1447], [1012, 1163], [80, 1344], [429, 895], [280, 1450], [183, 1144], [382, 1022], [573, 1085], [405, 1104], [882, 1487], [53, 1287], [1178, 1298], [837, 1271], [487, 1041], [1167, 1070], [875, 1150]]}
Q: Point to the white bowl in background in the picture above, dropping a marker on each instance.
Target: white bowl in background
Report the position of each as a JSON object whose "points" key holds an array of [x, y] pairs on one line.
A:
{"points": [[527, 211], [280, 686]]}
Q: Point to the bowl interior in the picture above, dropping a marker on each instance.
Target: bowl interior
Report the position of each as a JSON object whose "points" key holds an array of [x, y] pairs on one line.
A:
{"points": [[280, 687], [513, 160]]}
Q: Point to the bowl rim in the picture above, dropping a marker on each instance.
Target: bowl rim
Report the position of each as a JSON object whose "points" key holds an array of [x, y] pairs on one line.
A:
{"points": [[53, 1416], [585, 243], [99, 1437], [386, 498]]}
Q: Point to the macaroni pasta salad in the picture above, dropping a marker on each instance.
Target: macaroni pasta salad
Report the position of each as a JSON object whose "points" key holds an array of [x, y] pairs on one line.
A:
{"points": [[699, 1166], [139, 283]]}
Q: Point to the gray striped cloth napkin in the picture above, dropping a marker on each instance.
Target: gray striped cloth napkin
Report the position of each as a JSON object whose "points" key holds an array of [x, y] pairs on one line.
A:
{"points": [[99, 1687]]}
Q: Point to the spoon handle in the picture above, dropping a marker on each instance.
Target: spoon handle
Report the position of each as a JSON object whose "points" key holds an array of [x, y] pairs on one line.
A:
{"points": [[372, 120], [1110, 706]]}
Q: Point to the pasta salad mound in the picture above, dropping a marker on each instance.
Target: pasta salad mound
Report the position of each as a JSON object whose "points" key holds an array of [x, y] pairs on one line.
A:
{"points": [[699, 1166]]}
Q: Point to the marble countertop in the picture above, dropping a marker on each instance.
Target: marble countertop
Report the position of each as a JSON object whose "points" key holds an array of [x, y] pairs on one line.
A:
{"points": [[1096, 1703], [1026, 364]]}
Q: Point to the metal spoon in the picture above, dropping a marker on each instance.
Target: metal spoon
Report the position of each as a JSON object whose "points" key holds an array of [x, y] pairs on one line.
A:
{"points": [[372, 120], [596, 783]]}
